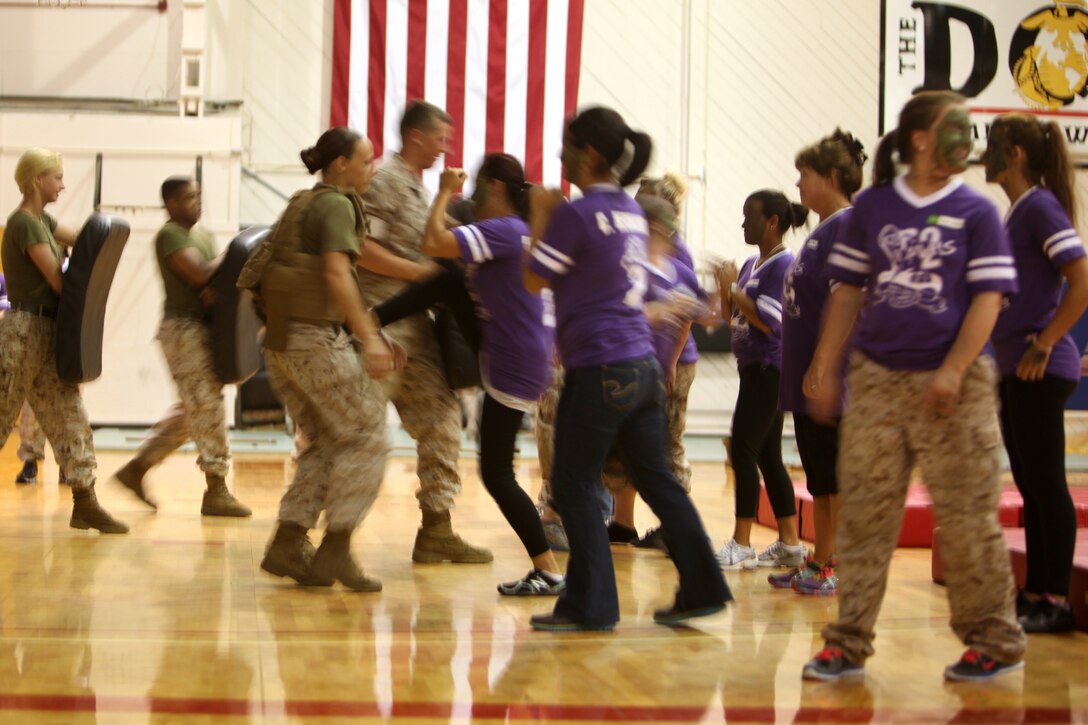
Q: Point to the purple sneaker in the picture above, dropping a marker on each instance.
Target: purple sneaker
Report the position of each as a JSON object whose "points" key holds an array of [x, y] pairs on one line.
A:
{"points": [[817, 581]]}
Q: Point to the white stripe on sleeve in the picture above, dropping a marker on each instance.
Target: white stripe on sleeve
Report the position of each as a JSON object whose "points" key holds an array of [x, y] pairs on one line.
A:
{"points": [[850, 252], [1071, 243], [541, 256], [990, 261], [1058, 236], [977, 275], [853, 265], [766, 305], [554, 252]]}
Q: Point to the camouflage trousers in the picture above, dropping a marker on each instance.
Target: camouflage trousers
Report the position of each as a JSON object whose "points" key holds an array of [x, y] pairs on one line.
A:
{"points": [[321, 381], [199, 413], [544, 430], [31, 437], [884, 433], [28, 372], [429, 411]]}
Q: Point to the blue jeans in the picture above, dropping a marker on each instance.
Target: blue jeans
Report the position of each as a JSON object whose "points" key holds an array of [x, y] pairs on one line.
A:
{"points": [[622, 403]]}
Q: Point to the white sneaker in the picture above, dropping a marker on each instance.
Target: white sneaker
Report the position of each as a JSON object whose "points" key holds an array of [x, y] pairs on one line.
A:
{"points": [[782, 555], [733, 556]]}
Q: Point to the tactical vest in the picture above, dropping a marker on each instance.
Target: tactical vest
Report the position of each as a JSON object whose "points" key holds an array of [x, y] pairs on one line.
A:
{"points": [[292, 284]]}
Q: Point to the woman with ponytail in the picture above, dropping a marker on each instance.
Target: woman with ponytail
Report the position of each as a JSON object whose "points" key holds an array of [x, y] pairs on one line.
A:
{"points": [[1036, 357], [515, 341], [830, 175], [928, 259], [592, 253], [752, 298]]}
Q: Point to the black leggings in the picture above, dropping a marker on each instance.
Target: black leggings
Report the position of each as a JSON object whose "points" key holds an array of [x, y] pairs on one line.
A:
{"points": [[447, 287], [498, 433], [1033, 426], [757, 444]]}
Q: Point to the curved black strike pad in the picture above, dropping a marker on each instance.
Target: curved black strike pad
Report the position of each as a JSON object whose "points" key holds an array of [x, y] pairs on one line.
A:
{"points": [[236, 344], [82, 309]]}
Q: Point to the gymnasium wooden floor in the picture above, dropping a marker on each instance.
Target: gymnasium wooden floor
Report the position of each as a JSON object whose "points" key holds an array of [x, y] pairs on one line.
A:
{"points": [[175, 623]]}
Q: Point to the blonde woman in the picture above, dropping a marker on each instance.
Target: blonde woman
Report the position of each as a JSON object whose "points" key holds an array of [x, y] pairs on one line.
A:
{"points": [[32, 268]]}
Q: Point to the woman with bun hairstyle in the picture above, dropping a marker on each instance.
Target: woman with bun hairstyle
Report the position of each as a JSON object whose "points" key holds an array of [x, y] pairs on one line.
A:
{"points": [[592, 253], [1036, 357], [929, 261], [830, 175], [752, 298], [515, 343], [28, 371], [309, 292]]}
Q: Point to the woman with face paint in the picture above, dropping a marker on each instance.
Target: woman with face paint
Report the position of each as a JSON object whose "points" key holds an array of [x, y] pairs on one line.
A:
{"points": [[1036, 356], [935, 264], [592, 253], [752, 298], [515, 344]]}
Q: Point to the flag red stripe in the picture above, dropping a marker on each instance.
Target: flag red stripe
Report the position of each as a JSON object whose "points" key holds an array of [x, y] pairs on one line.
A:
{"points": [[574, 62], [496, 77], [534, 108], [417, 49], [455, 78], [341, 63], [375, 117]]}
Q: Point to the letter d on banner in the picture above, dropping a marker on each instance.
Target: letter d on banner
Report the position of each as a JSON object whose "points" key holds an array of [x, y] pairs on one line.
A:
{"points": [[938, 45]]}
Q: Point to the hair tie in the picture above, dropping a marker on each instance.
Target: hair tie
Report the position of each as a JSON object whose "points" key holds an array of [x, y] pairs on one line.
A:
{"points": [[623, 163]]}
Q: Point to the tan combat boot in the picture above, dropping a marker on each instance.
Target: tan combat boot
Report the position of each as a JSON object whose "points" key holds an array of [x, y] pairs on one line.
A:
{"points": [[218, 501], [88, 514], [131, 476], [333, 561], [290, 554], [436, 542]]}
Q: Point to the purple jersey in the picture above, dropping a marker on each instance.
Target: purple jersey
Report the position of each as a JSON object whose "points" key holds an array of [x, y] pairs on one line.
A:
{"points": [[668, 281], [4, 304], [763, 284], [803, 298], [515, 348], [923, 259], [683, 255], [1043, 241], [594, 256]]}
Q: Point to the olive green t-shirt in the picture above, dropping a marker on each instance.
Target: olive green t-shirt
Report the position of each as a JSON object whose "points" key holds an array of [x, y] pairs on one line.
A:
{"points": [[329, 226], [182, 300], [26, 284]]}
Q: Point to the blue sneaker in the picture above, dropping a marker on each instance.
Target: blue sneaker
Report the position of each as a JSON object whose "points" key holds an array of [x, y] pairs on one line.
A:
{"points": [[829, 664], [975, 666]]}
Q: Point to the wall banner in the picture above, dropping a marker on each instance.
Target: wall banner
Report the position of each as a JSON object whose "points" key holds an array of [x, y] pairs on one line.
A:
{"points": [[1003, 55]]}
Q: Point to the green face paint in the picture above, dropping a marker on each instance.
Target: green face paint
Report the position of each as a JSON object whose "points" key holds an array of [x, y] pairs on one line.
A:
{"points": [[996, 156], [954, 139]]}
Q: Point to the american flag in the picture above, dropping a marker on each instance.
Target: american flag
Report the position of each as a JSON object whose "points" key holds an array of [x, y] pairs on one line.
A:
{"points": [[505, 70]]}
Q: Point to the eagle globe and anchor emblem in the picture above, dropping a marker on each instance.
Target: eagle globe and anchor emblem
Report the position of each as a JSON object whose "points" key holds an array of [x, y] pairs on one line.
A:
{"points": [[1048, 55]]}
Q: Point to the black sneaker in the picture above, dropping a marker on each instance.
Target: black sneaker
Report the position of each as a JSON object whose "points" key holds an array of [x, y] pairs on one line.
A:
{"points": [[654, 539], [534, 584], [558, 623], [829, 664], [678, 613], [29, 474], [1048, 617], [975, 666], [620, 534], [1025, 605]]}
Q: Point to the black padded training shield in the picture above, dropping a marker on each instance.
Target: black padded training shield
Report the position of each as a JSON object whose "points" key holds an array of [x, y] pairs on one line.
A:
{"points": [[236, 344], [81, 313]]}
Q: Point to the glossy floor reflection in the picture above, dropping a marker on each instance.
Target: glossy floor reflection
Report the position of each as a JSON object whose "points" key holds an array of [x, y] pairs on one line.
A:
{"points": [[175, 622]]}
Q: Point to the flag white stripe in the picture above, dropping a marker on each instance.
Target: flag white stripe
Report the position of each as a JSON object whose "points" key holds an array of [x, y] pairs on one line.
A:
{"points": [[475, 130], [359, 65], [555, 85], [434, 77], [396, 73], [517, 79]]}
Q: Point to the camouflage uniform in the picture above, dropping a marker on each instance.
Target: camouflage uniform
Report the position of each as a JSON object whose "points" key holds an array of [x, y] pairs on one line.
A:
{"points": [[884, 432], [321, 381], [544, 429], [200, 414], [28, 372], [31, 438], [397, 208]]}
